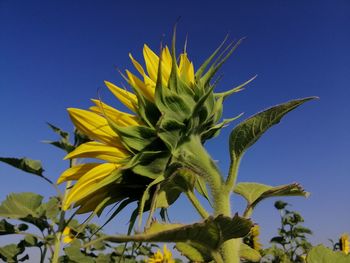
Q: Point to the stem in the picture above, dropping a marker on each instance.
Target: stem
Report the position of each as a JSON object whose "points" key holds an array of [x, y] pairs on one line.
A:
{"points": [[61, 223], [197, 205], [43, 254], [233, 173]]}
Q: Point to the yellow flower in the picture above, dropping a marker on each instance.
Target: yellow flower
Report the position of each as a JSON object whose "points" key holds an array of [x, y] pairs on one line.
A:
{"points": [[159, 257], [67, 235], [255, 232], [107, 144], [344, 243]]}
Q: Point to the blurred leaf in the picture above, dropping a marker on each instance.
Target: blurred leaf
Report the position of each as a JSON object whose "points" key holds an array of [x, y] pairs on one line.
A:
{"points": [[74, 253], [24, 206], [30, 240], [249, 253], [280, 205], [51, 208], [9, 253], [321, 254], [20, 205], [25, 164], [249, 131], [6, 228], [193, 252], [210, 233]]}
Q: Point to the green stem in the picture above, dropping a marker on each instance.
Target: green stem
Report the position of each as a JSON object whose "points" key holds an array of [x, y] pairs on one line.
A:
{"points": [[193, 154], [233, 173], [197, 205], [43, 254], [61, 224]]}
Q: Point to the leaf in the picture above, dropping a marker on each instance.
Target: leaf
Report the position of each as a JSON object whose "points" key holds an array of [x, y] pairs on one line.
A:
{"points": [[24, 206], [255, 192], [30, 240], [10, 252], [20, 205], [25, 164], [249, 131], [249, 253], [321, 254], [52, 208], [63, 134], [180, 181], [6, 228], [210, 233], [193, 252], [74, 253]]}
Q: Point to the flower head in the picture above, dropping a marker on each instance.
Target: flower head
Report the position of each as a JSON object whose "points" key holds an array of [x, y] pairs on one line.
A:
{"points": [[159, 257], [169, 103], [344, 243], [67, 235]]}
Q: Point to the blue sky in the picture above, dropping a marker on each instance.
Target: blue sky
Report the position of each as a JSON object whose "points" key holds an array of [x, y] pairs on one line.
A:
{"points": [[56, 54]]}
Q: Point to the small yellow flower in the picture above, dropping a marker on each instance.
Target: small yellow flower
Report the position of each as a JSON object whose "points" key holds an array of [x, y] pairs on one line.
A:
{"points": [[255, 232], [344, 243], [159, 257], [67, 235]]}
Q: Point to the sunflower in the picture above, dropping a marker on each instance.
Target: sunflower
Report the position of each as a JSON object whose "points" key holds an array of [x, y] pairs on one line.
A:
{"points": [[169, 104], [159, 257]]}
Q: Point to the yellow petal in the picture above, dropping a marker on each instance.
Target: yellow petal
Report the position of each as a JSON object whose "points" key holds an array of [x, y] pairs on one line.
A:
{"points": [[166, 65], [94, 126], [75, 172], [186, 69], [87, 183], [99, 151], [137, 65], [119, 117], [138, 84], [127, 98], [151, 61]]}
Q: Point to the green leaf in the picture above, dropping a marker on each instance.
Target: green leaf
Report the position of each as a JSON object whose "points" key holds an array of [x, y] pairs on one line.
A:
{"points": [[210, 233], [25, 164], [170, 189], [63, 134], [52, 208], [30, 240], [321, 254], [20, 205], [249, 253], [74, 253], [255, 192], [249, 131], [193, 252], [9, 253], [6, 228]]}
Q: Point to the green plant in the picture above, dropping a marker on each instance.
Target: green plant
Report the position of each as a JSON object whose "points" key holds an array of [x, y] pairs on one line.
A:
{"points": [[157, 153], [291, 244]]}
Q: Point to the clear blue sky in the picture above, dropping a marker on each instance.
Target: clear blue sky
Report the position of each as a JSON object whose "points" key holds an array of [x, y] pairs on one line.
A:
{"points": [[56, 54]]}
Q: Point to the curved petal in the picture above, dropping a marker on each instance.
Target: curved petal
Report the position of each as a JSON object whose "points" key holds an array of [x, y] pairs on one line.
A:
{"points": [[119, 117], [136, 83], [127, 98], [87, 183], [99, 151], [151, 61], [94, 126], [75, 172]]}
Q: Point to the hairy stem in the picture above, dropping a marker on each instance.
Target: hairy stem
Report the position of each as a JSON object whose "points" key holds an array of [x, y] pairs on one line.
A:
{"points": [[233, 173], [197, 205]]}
